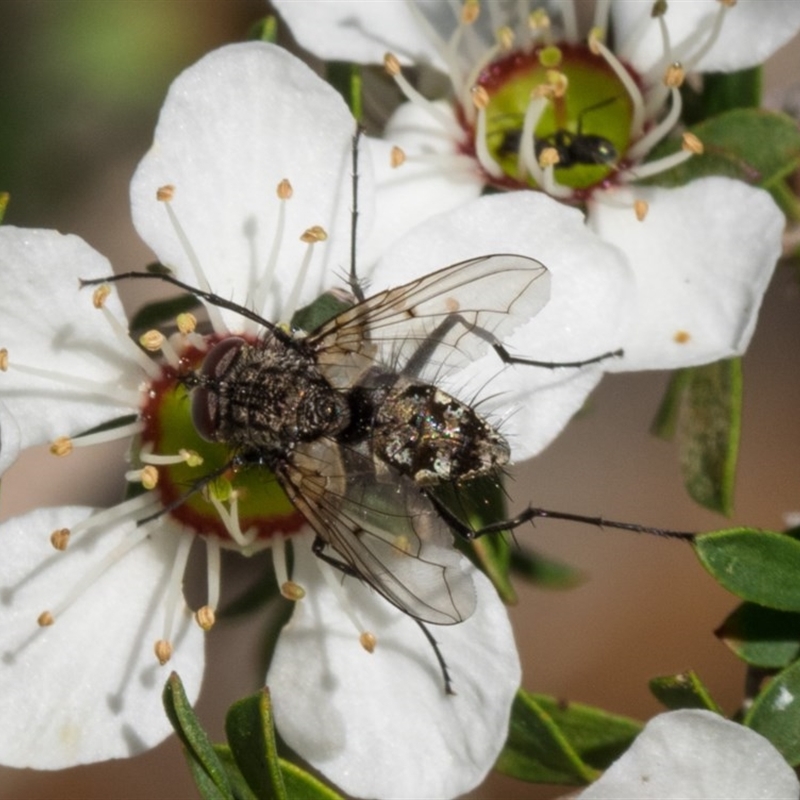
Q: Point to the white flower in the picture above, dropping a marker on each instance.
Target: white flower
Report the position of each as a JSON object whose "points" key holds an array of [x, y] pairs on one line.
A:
{"points": [[694, 755], [84, 685], [520, 78]]}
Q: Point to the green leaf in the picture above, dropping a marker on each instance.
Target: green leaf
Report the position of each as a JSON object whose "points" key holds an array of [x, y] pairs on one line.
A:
{"points": [[722, 91], [4, 198], [759, 566], [566, 743], [704, 405], [763, 637], [544, 571], [346, 79], [757, 146], [775, 713], [478, 503], [684, 690], [251, 736], [265, 30], [241, 791], [319, 311], [208, 771]]}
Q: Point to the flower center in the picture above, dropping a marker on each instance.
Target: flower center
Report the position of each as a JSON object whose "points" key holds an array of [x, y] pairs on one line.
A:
{"points": [[257, 507], [562, 106]]}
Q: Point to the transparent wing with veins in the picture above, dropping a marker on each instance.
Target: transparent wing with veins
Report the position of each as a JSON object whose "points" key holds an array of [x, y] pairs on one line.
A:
{"points": [[455, 313], [379, 527]]}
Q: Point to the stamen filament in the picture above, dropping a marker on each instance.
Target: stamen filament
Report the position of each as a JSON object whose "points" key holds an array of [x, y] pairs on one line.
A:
{"points": [[526, 160], [175, 583], [654, 135], [450, 58], [122, 335], [570, 20], [333, 580], [656, 167], [214, 314], [230, 519], [189, 457], [213, 571], [110, 435], [690, 61]]}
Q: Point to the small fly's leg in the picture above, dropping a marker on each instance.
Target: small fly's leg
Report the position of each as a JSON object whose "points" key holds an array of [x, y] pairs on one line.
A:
{"points": [[531, 513], [318, 548], [423, 354]]}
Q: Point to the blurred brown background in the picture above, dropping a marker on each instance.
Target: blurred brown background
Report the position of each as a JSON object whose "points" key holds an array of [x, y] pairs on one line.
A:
{"points": [[81, 83]]}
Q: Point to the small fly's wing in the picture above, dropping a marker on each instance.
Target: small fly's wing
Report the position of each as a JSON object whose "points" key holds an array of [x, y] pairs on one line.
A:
{"points": [[383, 529], [489, 296]]}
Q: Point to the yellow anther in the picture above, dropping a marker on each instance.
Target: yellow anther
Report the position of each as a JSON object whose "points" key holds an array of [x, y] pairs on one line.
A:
{"points": [[368, 641], [480, 97], [397, 157], [315, 233], [391, 65], [538, 20], [691, 143], [470, 11], [285, 190], [674, 76], [681, 337], [60, 538], [640, 208], [45, 619], [152, 340], [205, 617], [559, 81], [3, 359], [186, 322], [292, 591], [549, 157], [100, 295], [149, 477], [165, 193], [191, 457], [163, 651], [505, 38], [595, 39], [61, 446]]}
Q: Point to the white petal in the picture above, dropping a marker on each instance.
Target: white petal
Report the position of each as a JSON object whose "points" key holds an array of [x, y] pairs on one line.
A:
{"points": [[232, 127], [380, 725], [588, 312], [10, 439], [752, 31], [697, 755], [87, 688], [352, 30], [427, 183], [47, 322], [702, 259]]}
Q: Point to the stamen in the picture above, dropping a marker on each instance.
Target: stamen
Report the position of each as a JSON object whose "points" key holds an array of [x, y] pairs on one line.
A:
{"points": [[640, 208], [656, 134], [60, 538], [63, 445], [602, 14], [3, 359], [289, 589], [186, 322], [230, 519], [332, 579], [127, 543], [311, 237], [189, 457], [550, 184], [213, 571], [480, 100], [205, 617], [163, 646], [692, 60], [368, 641], [539, 25], [449, 56], [691, 146], [504, 43], [639, 115], [527, 163], [154, 340], [122, 333], [147, 476], [264, 287], [165, 195], [392, 66], [126, 510], [397, 157]]}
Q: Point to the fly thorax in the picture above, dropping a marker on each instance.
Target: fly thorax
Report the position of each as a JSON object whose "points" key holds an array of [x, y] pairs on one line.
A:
{"points": [[433, 437], [267, 395]]}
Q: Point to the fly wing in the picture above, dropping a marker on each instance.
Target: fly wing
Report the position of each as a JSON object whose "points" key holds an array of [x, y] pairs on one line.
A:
{"points": [[457, 312], [383, 529]]}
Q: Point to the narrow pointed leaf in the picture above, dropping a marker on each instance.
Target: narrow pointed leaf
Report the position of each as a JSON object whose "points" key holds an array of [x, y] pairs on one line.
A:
{"points": [[722, 91], [251, 737], [206, 767], [759, 566], [566, 743], [302, 786], [684, 690], [241, 791], [763, 637], [776, 713]]}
